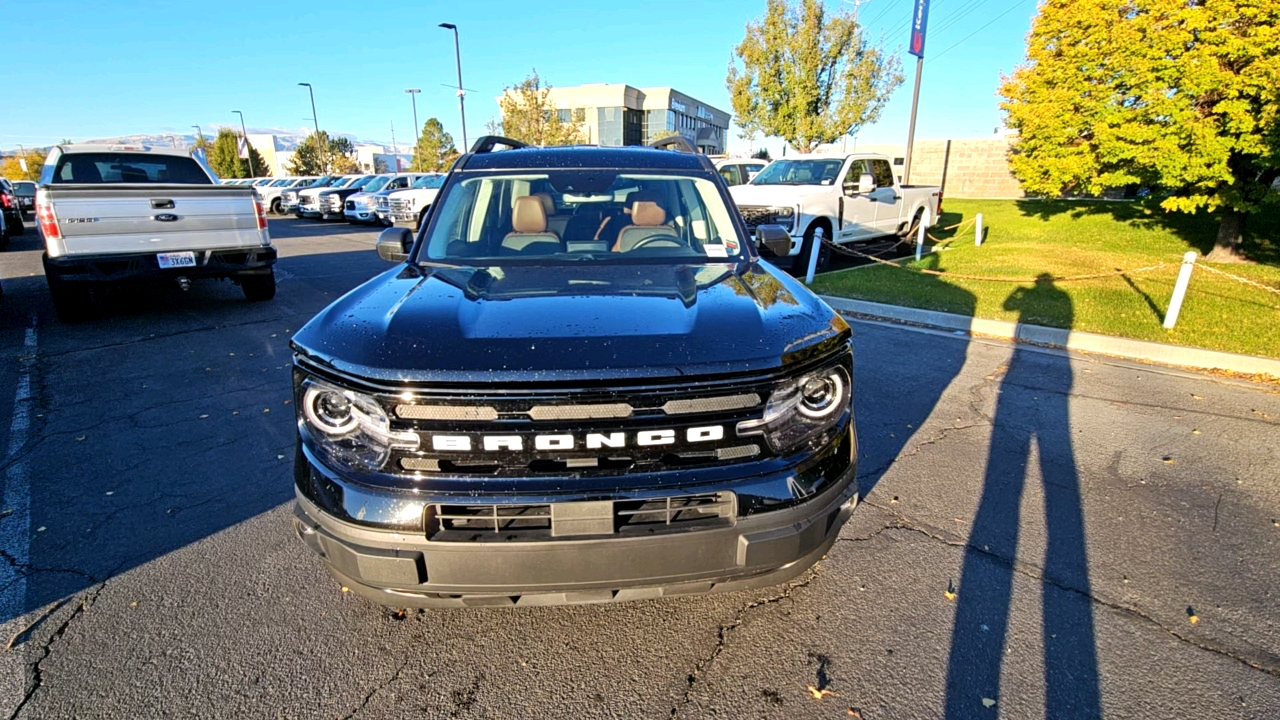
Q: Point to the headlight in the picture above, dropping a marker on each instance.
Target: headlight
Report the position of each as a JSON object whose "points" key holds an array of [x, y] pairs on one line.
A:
{"points": [[785, 212], [799, 410], [352, 429]]}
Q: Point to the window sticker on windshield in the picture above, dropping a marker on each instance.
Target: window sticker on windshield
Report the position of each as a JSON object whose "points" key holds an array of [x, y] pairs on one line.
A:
{"points": [[716, 251], [731, 245]]}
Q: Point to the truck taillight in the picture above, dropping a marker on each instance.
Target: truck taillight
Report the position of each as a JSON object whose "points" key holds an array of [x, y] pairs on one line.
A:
{"points": [[261, 212], [4, 199], [48, 220]]}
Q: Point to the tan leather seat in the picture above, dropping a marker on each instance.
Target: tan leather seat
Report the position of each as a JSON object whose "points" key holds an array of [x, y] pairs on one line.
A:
{"points": [[529, 234], [647, 220]]}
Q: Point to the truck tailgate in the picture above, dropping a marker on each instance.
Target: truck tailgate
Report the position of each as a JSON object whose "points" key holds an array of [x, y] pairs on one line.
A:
{"points": [[97, 220]]}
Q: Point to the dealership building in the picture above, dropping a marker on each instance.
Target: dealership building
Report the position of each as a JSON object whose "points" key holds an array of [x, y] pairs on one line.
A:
{"points": [[614, 115]]}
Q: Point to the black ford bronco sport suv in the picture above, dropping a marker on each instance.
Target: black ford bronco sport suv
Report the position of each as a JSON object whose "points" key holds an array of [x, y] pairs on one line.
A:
{"points": [[580, 383]]}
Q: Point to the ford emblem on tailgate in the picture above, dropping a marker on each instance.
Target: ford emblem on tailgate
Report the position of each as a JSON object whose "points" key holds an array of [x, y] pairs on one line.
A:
{"points": [[165, 217]]}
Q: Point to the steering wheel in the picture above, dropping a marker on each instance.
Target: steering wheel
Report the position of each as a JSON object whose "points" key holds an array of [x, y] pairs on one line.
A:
{"points": [[655, 238]]}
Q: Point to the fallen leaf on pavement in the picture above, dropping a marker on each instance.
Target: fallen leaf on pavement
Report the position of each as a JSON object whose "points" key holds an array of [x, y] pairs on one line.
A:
{"points": [[819, 694], [853, 713], [988, 702], [950, 592]]}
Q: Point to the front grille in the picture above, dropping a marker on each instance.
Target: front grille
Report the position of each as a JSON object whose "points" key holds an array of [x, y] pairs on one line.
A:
{"points": [[754, 217], [351, 205], [400, 205], [545, 521], [383, 203]]}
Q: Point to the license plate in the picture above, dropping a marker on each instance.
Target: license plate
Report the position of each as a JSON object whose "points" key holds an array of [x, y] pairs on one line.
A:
{"points": [[176, 260]]}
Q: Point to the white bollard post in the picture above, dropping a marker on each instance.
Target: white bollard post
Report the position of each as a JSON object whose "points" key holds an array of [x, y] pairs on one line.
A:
{"points": [[818, 237], [1179, 290], [977, 231], [920, 235]]}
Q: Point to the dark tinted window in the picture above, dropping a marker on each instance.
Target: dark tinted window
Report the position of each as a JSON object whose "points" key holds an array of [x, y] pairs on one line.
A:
{"points": [[883, 173], [96, 168], [25, 188]]}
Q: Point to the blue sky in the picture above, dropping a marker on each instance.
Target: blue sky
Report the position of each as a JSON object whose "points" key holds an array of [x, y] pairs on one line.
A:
{"points": [[101, 69]]}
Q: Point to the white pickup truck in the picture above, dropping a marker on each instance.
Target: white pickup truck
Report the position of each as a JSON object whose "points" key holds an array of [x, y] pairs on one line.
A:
{"points": [[406, 208], [117, 213], [849, 198]]}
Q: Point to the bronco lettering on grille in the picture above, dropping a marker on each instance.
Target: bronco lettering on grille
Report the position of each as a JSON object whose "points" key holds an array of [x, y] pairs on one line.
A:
{"points": [[567, 441]]}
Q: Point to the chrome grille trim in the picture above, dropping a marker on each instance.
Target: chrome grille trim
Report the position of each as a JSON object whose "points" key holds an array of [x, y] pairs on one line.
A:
{"points": [[736, 452], [421, 464], [580, 412], [446, 412], [712, 404]]}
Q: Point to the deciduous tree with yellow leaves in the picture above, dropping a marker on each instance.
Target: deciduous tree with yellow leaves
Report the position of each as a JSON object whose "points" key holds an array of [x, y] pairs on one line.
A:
{"points": [[1179, 95]]}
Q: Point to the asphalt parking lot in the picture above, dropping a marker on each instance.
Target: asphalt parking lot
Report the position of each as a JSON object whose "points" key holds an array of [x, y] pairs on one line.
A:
{"points": [[1042, 535]]}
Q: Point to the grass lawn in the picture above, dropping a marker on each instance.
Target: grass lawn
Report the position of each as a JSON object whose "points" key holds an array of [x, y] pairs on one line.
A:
{"points": [[1026, 238]]}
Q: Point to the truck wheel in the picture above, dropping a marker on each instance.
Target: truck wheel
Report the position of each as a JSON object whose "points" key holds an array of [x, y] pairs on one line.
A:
{"points": [[800, 264], [909, 232], [421, 217], [258, 288], [275, 206]]}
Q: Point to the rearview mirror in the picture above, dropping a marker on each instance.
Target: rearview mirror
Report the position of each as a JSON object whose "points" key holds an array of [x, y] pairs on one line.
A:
{"points": [[774, 239], [394, 244], [866, 183]]}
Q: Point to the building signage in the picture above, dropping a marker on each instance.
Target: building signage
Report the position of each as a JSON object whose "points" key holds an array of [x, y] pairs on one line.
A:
{"points": [[704, 113], [919, 21], [679, 106]]}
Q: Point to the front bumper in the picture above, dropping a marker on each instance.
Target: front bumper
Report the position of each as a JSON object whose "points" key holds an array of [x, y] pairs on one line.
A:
{"points": [[403, 568], [216, 263], [360, 214]]}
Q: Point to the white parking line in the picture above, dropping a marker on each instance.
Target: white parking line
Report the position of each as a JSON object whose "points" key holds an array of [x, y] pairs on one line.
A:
{"points": [[15, 526]]}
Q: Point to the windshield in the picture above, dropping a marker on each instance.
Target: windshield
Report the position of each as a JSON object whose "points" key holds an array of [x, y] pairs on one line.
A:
{"points": [[263, 182], [581, 215], [800, 172], [25, 187], [430, 182], [376, 184], [360, 182]]}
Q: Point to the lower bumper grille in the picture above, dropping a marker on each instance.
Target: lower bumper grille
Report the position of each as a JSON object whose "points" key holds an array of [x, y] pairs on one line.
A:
{"points": [[507, 523], [754, 217]]}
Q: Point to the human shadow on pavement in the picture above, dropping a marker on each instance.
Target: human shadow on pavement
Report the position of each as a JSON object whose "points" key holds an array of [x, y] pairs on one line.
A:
{"points": [[899, 376], [1033, 406]]}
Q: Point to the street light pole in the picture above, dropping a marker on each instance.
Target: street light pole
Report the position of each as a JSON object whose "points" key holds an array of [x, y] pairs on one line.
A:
{"points": [[248, 149], [457, 52], [199, 135], [413, 95], [313, 105]]}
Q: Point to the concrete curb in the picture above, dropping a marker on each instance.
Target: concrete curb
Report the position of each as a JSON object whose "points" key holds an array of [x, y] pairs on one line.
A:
{"points": [[1176, 355]]}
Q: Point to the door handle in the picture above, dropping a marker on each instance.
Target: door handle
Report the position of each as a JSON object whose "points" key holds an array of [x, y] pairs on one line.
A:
{"points": [[161, 204]]}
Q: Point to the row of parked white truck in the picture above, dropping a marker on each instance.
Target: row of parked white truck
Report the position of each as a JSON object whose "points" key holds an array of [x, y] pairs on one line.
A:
{"points": [[382, 199]]}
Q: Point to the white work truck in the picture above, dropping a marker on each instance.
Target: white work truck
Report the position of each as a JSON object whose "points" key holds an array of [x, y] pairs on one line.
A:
{"points": [[847, 198], [117, 213]]}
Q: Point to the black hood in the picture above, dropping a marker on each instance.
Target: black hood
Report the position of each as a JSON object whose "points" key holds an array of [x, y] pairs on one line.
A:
{"points": [[578, 321]]}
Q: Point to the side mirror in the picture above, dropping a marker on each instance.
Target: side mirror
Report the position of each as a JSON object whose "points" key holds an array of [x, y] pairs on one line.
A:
{"points": [[394, 244], [866, 183], [774, 239]]}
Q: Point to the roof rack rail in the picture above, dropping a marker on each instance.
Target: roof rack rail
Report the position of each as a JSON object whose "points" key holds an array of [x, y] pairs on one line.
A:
{"points": [[679, 143], [488, 142]]}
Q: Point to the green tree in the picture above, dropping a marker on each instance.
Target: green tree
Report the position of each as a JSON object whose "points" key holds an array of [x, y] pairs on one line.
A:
{"points": [[435, 149], [762, 154], [319, 154], [809, 76], [1174, 94], [528, 115], [224, 157]]}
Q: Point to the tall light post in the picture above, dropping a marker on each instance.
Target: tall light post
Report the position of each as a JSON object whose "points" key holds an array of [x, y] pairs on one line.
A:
{"points": [[313, 105], [413, 95], [462, 110], [248, 150], [199, 135]]}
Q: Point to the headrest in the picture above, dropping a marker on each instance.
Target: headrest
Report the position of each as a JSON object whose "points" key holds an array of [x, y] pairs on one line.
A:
{"points": [[528, 216], [649, 213], [548, 204]]}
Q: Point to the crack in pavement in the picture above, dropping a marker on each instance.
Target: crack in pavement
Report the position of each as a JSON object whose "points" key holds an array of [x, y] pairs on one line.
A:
{"points": [[722, 635], [379, 688], [1267, 663], [37, 679]]}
